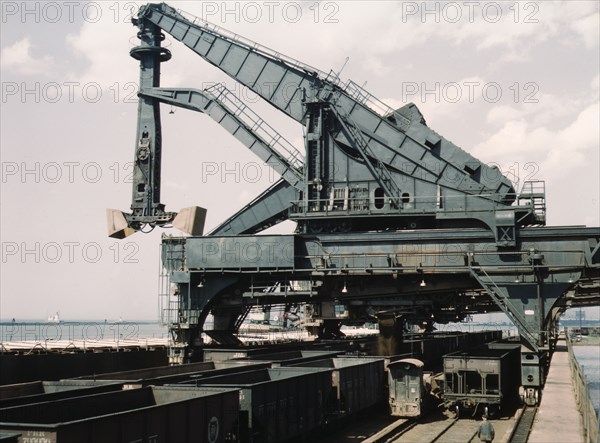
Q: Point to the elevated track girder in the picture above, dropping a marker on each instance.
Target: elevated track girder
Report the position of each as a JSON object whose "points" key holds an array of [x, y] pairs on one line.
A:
{"points": [[440, 274]]}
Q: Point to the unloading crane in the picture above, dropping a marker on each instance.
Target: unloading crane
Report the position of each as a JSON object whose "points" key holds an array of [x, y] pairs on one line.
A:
{"points": [[394, 222], [357, 148]]}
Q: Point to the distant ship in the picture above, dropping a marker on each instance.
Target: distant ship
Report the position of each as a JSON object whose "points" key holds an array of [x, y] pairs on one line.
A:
{"points": [[54, 318]]}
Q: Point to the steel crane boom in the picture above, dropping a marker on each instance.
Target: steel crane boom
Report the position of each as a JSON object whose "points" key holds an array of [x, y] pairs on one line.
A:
{"points": [[361, 156]]}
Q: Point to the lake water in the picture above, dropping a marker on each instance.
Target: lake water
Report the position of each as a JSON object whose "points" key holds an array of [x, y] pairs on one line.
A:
{"points": [[589, 358], [90, 331]]}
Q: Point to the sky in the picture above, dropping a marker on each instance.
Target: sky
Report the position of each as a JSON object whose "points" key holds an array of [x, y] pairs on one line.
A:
{"points": [[515, 84]]}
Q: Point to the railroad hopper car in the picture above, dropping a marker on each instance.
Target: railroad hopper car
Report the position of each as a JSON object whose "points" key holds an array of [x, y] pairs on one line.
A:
{"points": [[357, 383], [45, 391], [157, 414], [48, 391], [234, 353], [9, 438], [410, 388], [179, 373], [288, 358], [483, 379], [20, 368], [533, 369], [430, 348], [273, 403], [151, 373], [223, 354], [278, 404], [421, 352]]}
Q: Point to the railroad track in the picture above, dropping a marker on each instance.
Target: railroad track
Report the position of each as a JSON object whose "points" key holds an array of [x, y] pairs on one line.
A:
{"points": [[437, 428], [395, 431], [474, 438], [443, 431], [522, 428]]}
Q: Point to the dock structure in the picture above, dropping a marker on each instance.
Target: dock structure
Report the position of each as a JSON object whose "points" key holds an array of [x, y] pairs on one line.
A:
{"points": [[58, 346], [248, 336], [557, 419]]}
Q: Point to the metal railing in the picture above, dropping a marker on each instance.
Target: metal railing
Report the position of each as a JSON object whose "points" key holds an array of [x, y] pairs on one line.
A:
{"points": [[361, 95], [589, 416], [408, 204], [534, 191], [243, 41], [258, 126], [352, 89]]}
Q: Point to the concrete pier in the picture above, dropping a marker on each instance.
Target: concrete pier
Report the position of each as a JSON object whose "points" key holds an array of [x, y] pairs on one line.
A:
{"points": [[557, 419]]}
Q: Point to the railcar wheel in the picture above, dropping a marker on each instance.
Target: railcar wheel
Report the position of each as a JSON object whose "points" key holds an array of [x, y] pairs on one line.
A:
{"points": [[522, 395], [532, 397]]}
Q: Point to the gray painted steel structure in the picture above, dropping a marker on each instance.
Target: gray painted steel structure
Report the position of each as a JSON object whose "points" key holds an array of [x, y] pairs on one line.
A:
{"points": [[393, 221]]}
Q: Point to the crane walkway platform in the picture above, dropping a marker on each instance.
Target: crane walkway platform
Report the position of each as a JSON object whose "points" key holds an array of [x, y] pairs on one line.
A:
{"points": [[557, 419]]}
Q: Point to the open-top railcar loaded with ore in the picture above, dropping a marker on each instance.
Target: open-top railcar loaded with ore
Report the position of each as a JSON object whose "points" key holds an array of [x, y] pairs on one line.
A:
{"points": [[153, 413], [279, 396], [393, 221]]}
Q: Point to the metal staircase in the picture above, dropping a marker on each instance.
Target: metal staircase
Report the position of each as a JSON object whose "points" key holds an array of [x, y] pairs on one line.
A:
{"points": [[375, 166], [534, 192], [503, 302], [230, 112], [254, 123]]}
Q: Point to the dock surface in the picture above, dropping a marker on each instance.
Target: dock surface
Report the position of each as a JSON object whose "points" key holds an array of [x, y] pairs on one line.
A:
{"points": [[59, 346], [557, 419]]}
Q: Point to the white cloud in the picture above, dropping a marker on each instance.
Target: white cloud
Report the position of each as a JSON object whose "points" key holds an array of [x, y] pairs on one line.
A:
{"points": [[556, 152], [547, 109], [520, 137], [105, 44], [587, 28], [595, 84], [586, 25], [19, 58], [565, 157], [515, 33]]}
